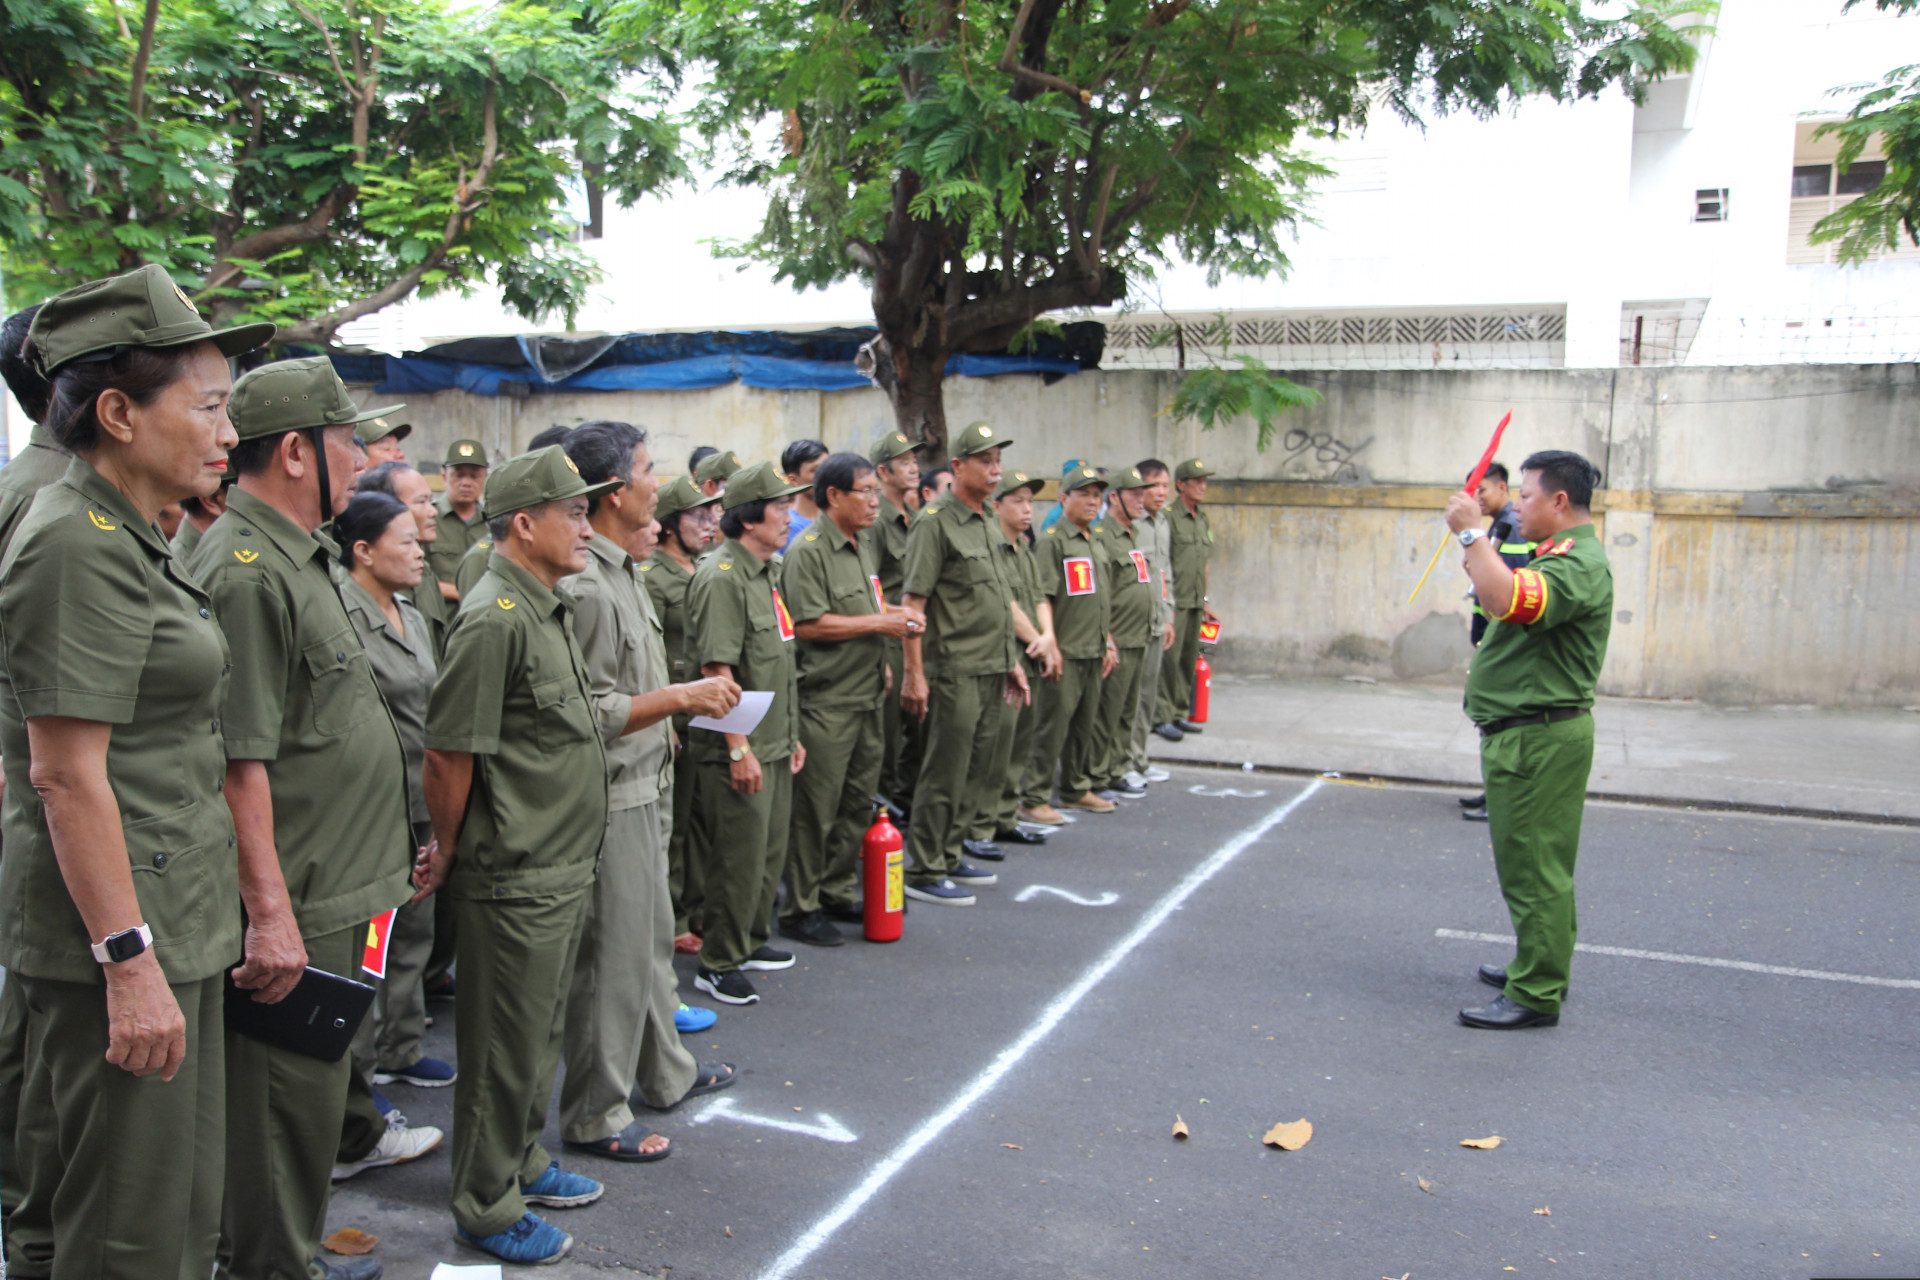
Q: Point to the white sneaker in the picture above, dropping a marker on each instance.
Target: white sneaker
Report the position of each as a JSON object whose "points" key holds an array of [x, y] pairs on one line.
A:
{"points": [[1155, 773], [398, 1145], [1135, 779]]}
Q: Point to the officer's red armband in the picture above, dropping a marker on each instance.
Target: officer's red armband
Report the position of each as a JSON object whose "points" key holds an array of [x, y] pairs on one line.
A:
{"points": [[1529, 597]]}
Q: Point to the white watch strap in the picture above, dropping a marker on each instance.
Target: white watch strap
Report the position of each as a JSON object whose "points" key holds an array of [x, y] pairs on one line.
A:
{"points": [[100, 948]]}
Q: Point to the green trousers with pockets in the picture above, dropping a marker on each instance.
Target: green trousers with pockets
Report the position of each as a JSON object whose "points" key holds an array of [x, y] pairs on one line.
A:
{"points": [[620, 1034], [1065, 735], [1119, 699], [956, 769], [745, 863], [832, 807], [1536, 779], [1151, 660], [287, 1120], [13, 1079], [1003, 812], [686, 846], [899, 760], [390, 1035], [1176, 666], [125, 1179], [516, 964]]}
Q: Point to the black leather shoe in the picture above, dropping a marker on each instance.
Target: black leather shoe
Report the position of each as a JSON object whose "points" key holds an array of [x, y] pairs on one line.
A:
{"points": [[1188, 726], [1502, 1014], [352, 1269], [1494, 975], [985, 850], [845, 913], [1474, 802], [1474, 815], [814, 929], [1169, 731], [1019, 835]]}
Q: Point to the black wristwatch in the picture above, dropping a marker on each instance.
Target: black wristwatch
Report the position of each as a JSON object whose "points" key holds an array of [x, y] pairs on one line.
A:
{"points": [[118, 948]]}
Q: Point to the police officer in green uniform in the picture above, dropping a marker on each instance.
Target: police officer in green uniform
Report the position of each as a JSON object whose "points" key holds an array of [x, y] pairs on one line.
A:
{"points": [[382, 438], [516, 783], [115, 930], [681, 510], [964, 673], [461, 522], [1154, 532], [1126, 574], [999, 821], [832, 589], [1531, 692], [713, 472], [197, 516], [400, 481], [739, 627], [1192, 539], [898, 470]]}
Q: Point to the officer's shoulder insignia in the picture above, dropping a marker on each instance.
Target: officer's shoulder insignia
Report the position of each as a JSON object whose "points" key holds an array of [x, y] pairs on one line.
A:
{"points": [[810, 537], [503, 602], [100, 521], [646, 568], [485, 543], [726, 564], [932, 510], [1561, 547], [244, 556]]}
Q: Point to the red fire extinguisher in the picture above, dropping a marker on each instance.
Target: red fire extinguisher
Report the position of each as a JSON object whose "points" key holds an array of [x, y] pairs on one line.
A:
{"points": [[884, 876], [1202, 689]]}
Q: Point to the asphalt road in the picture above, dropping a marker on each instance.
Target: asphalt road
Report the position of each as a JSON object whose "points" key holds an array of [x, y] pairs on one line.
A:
{"points": [[993, 1095]]}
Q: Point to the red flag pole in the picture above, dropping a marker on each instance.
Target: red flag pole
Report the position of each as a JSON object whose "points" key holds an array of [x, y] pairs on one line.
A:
{"points": [[1473, 483]]}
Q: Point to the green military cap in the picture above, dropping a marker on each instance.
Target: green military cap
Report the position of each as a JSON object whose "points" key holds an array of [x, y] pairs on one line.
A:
{"points": [[717, 466], [680, 495], [1011, 480], [890, 446], [978, 437], [143, 308], [1192, 469], [381, 428], [294, 395], [1080, 478], [1127, 478], [466, 453], [755, 483], [545, 475]]}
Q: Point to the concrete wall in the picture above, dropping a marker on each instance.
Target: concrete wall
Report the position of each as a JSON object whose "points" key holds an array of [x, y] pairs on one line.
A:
{"points": [[1764, 523]]}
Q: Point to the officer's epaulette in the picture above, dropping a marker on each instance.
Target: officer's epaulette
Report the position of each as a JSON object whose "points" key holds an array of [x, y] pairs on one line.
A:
{"points": [[725, 564], [809, 537], [647, 568], [930, 511], [101, 522]]}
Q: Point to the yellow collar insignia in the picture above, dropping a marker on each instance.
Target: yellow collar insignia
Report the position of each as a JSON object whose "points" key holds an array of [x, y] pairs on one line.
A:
{"points": [[246, 557], [503, 602], [726, 564], [101, 522]]}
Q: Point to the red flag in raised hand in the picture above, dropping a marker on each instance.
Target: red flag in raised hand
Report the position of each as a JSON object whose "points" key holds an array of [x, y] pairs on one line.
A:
{"points": [[1473, 486]]}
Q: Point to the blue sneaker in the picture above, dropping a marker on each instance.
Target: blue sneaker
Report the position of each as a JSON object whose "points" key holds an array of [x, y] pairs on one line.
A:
{"points": [[943, 893], [687, 1019], [558, 1189], [968, 876], [531, 1242], [428, 1073]]}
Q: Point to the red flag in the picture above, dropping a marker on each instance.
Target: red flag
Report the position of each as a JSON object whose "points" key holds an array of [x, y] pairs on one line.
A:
{"points": [[1486, 459], [379, 933]]}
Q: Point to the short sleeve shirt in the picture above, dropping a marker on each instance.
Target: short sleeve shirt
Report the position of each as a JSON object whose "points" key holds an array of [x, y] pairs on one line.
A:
{"points": [[39, 465], [889, 538], [1125, 568], [403, 668], [952, 562], [1191, 539], [619, 637], [514, 693], [828, 572], [456, 536], [1155, 535], [473, 564], [1547, 651], [99, 623], [666, 583], [302, 699], [435, 608], [1078, 588], [736, 615]]}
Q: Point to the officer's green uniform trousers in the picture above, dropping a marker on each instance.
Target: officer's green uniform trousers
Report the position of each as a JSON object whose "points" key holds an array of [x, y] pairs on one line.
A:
{"points": [[957, 771], [1066, 733], [143, 1160], [283, 1133], [13, 1071], [832, 808], [1017, 723], [1119, 699], [743, 867], [516, 964], [899, 735], [391, 1034], [1536, 780], [688, 842], [1176, 670], [1152, 659]]}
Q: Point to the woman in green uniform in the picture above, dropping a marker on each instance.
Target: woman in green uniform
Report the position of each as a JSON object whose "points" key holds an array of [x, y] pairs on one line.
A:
{"points": [[119, 893]]}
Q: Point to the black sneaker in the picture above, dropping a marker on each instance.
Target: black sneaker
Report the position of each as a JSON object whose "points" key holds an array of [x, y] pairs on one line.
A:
{"points": [[944, 893], [814, 929], [1475, 815], [1020, 835], [845, 913], [1474, 802], [1170, 731], [766, 959], [730, 987], [1188, 726], [1127, 789], [968, 876], [985, 850]]}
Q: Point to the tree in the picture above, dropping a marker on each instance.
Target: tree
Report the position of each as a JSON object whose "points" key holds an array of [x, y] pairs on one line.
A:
{"points": [[311, 161], [984, 162], [1890, 113]]}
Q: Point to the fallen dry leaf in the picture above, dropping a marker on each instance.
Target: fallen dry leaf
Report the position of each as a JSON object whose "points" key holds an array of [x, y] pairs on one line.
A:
{"points": [[729, 1233], [1544, 1212], [349, 1242], [1290, 1137], [1179, 1127], [1482, 1144], [1013, 1146], [1426, 1186]]}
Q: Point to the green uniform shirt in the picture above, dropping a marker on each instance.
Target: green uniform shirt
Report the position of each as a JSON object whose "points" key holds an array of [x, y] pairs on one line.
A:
{"points": [[1191, 538], [1548, 650], [435, 608], [302, 698], [514, 693], [666, 583], [98, 623], [39, 465], [828, 572], [454, 539], [888, 539], [1023, 572], [619, 638], [185, 539], [952, 562], [473, 564], [403, 667], [1078, 587], [1155, 536], [1125, 570], [735, 615]]}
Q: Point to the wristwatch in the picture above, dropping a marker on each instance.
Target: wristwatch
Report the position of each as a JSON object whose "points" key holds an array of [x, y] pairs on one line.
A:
{"points": [[1470, 536], [739, 753], [117, 948]]}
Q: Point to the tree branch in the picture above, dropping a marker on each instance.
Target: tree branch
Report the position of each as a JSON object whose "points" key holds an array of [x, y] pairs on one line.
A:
{"points": [[137, 91], [326, 37]]}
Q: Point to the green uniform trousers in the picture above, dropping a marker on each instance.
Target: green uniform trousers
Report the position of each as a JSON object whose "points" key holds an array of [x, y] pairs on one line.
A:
{"points": [[687, 846], [744, 865], [287, 1120], [1536, 779], [13, 1079], [1176, 668], [124, 1182], [516, 964], [956, 769], [1065, 735], [440, 960], [1151, 660], [832, 807], [391, 1034], [1119, 700], [899, 766], [620, 1007], [1017, 732]]}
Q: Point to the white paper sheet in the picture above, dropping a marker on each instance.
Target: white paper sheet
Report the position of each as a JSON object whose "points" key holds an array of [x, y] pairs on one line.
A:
{"points": [[446, 1271], [744, 718]]}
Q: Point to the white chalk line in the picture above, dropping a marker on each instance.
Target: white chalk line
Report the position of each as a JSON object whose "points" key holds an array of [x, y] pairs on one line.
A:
{"points": [[1050, 1017], [1711, 962]]}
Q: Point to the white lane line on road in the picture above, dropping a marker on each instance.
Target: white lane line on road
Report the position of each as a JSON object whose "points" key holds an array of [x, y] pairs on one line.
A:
{"points": [[1050, 1017], [1711, 962]]}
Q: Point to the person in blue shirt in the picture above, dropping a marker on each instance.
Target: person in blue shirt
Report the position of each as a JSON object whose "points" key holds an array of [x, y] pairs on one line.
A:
{"points": [[798, 462]]}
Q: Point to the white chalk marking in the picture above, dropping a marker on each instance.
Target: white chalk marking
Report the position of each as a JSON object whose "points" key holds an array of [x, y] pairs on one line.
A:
{"points": [[1050, 1017], [1215, 793], [1106, 899], [827, 1128], [1711, 962]]}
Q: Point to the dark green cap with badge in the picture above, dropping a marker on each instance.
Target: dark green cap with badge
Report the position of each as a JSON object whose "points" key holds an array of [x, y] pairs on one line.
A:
{"points": [[755, 483], [1080, 478], [466, 453], [1127, 478], [680, 495], [380, 429], [143, 308], [978, 437], [1192, 469], [1011, 480], [717, 466], [545, 475], [889, 447], [295, 395]]}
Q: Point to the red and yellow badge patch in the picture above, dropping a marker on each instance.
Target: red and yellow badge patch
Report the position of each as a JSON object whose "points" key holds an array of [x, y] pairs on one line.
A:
{"points": [[1559, 548], [781, 616], [1529, 597], [1079, 576], [879, 596], [1139, 559]]}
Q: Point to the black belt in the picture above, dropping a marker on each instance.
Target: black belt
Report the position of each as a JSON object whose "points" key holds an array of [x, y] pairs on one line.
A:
{"points": [[1554, 716]]}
